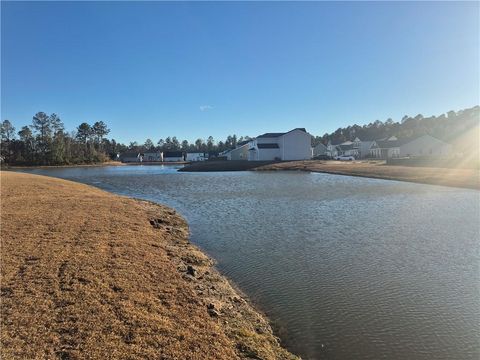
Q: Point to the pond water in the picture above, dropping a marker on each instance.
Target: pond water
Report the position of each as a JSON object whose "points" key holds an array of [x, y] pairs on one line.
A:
{"points": [[345, 267]]}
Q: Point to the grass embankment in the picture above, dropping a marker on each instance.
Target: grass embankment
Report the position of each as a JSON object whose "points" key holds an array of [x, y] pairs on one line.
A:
{"points": [[89, 274], [456, 177]]}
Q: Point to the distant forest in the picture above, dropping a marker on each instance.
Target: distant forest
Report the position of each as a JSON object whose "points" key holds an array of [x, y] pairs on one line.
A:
{"points": [[447, 127], [46, 142]]}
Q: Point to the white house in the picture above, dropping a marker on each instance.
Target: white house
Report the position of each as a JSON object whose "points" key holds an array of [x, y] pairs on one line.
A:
{"points": [[356, 147], [332, 149], [295, 144], [172, 156], [386, 148], [129, 157], [319, 150], [364, 148], [239, 153], [151, 156], [348, 149], [425, 145], [195, 156]]}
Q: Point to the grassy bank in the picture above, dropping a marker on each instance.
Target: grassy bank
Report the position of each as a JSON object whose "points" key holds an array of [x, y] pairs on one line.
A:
{"points": [[89, 274], [456, 177]]}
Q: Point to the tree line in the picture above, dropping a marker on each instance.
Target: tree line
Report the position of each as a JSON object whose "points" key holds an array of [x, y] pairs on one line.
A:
{"points": [[446, 127], [200, 145], [46, 142]]}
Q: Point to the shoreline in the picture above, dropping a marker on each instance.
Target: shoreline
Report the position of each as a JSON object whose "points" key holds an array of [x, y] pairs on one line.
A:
{"points": [[87, 273], [452, 177]]}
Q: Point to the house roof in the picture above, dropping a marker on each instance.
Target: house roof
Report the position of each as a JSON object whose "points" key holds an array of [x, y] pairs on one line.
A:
{"points": [[270, 135], [387, 144], [274, 135], [172, 154], [345, 147], [241, 143], [129, 154], [267, 146]]}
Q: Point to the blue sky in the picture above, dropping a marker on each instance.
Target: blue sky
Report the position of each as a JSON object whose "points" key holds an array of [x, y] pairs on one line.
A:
{"points": [[154, 69]]}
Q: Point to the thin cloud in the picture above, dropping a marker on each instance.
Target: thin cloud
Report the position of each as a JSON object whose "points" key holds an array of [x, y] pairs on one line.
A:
{"points": [[206, 107]]}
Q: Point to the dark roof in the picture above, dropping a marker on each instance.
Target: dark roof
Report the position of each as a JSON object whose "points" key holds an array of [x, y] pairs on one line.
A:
{"points": [[267, 146], [301, 129], [129, 154], [241, 143], [345, 147], [273, 135], [172, 154], [270, 135]]}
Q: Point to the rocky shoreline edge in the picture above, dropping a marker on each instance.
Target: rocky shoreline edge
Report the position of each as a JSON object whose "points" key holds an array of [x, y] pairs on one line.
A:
{"points": [[225, 302]]}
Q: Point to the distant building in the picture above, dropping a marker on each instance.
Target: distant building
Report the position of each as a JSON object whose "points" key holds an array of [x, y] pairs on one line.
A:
{"points": [[332, 149], [385, 148], [347, 149], [364, 149], [196, 156], [130, 157], [295, 144], [319, 150], [425, 145], [152, 156], [360, 149], [239, 153], [173, 156]]}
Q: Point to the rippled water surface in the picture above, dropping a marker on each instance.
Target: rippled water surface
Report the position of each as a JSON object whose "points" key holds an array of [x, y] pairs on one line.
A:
{"points": [[346, 268]]}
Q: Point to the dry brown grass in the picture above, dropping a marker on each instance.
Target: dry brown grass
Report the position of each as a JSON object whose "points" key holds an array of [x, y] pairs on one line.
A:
{"points": [[86, 276], [458, 177]]}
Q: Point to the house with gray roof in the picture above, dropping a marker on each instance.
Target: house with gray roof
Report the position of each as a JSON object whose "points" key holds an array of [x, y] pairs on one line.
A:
{"points": [[295, 144], [129, 157], [385, 148], [319, 150], [425, 145]]}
